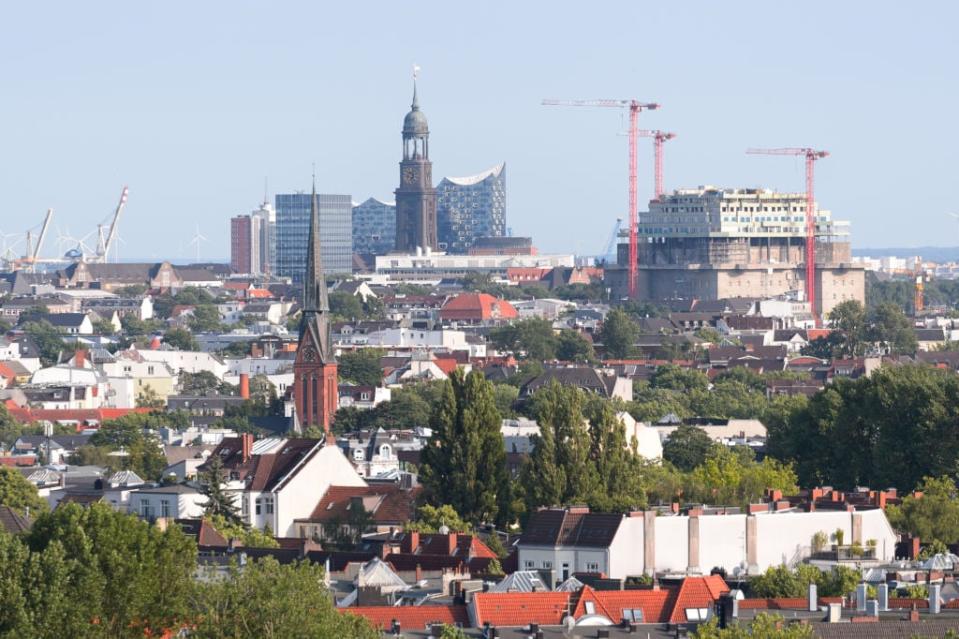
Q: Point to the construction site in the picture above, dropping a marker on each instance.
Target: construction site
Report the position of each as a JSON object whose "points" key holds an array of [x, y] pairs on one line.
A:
{"points": [[711, 243], [715, 243]]}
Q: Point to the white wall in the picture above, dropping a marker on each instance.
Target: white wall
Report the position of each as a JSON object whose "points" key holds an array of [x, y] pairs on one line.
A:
{"points": [[722, 542], [672, 543], [297, 497], [190, 361], [781, 537], [626, 552]]}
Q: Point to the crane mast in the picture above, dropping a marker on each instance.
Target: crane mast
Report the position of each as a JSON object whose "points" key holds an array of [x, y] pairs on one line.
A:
{"points": [[658, 138], [634, 107], [104, 250], [811, 155]]}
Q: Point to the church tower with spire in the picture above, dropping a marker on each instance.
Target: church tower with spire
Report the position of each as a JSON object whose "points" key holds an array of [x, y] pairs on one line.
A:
{"points": [[314, 370], [416, 197]]}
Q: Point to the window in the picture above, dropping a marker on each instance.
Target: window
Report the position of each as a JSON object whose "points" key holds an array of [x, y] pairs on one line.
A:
{"points": [[697, 614], [385, 451], [634, 615], [245, 506], [590, 608], [146, 509], [268, 504], [548, 565], [592, 566], [259, 505], [528, 564], [164, 507]]}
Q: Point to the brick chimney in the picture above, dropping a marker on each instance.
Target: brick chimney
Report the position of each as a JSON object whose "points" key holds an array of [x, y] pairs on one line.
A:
{"points": [[245, 385], [79, 358], [410, 542], [451, 540], [246, 443]]}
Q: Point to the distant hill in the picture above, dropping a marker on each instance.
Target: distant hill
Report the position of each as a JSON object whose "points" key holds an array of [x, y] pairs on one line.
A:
{"points": [[931, 253]]}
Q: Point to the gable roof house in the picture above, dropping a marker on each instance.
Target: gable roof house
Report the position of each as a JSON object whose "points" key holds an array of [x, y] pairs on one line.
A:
{"points": [[477, 308], [72, 323], [109, 276], [604, 384], [280, 480]]}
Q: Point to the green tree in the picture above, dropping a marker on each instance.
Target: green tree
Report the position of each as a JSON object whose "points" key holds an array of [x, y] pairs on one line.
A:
{"points": [[205, 319], [17, 493], [103, 326], [891, 329], [618, 334], [362, 366], [764, 626], [204, 383], [346, 305], [931, 516], [573, 347], [132, 326], [219, 502], [181, 339], [891, 428], [534, 337], [849, 318], [430, 518], [687, 447], [122, 572], [271, 600], [48, 340], [616, 461], [148, 398], [505, 397], [677, 378], [464, 462]]}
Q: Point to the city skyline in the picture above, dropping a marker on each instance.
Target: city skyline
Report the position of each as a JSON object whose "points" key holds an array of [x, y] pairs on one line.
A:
{"points": [[194, 129]]}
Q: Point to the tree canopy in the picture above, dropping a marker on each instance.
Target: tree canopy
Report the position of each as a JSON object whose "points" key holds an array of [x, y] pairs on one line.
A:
{"points": [[619, 334], [464, 462], [891, 428]]}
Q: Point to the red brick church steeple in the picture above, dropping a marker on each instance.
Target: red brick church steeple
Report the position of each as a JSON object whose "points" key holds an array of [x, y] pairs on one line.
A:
{"points": [[314, 370]]}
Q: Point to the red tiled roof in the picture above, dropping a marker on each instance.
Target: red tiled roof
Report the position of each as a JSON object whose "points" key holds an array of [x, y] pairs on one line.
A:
{"points": [[778, 603], [611, 603], [697, 592], [395, 505], [410, 617], [508, 609], [816, 333], [477, 306], [259, 293], [445, 364], [72, 414]]}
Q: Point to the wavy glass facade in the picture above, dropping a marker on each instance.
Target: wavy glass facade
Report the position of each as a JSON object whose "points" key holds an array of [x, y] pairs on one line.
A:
{"points": [[471, 207]]}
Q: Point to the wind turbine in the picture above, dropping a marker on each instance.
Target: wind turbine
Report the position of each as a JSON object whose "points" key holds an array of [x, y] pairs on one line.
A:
{"points": [[195, 242]]}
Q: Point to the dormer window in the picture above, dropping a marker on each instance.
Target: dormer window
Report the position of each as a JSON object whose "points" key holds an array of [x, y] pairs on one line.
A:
{"points": [[385, 451]]}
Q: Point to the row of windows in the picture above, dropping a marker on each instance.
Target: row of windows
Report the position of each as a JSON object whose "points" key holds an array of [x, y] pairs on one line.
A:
{"points": [[147, 510], [591, 566]]}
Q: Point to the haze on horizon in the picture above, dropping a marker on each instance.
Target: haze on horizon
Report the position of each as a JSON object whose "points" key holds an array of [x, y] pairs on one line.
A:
{"points": [[194, 104]]}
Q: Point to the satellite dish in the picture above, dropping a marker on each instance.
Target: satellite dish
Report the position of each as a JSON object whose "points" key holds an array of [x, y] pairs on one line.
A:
{"points": [[444, 529], [568, 624]]}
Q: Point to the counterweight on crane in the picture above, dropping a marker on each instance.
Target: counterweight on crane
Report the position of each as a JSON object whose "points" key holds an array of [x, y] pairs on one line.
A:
{"points": [[811, 156], [658, 138], [634, 107]]}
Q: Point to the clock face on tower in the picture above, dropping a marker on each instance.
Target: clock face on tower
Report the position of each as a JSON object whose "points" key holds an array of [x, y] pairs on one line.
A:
{"points": [[409, 175]]}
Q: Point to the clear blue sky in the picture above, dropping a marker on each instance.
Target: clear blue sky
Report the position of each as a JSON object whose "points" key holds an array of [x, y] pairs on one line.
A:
{"points": [[193, 103]]}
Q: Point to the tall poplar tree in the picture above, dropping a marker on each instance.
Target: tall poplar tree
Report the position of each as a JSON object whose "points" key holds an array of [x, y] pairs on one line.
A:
{"points": [[464, 463]]}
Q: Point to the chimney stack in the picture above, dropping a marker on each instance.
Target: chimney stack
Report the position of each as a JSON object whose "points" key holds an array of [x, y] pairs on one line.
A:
{"points": [[245, 385], [246, 442]]}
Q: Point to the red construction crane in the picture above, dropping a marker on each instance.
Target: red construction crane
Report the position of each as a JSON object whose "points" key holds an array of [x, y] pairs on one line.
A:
{"points": [[658, 138], [634, 107], [811, 156]]}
